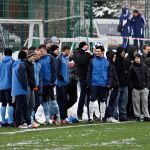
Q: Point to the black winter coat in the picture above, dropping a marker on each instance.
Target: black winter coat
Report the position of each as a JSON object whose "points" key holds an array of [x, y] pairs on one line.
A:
{"points": [[30, 74], [139, 76], [82, 61]]}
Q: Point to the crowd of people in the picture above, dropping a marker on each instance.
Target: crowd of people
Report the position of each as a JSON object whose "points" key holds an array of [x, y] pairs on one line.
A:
{"points": [[118, 81]]}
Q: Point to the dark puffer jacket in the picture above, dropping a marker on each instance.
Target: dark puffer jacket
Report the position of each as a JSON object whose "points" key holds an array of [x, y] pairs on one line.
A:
{"points": [[82, 61], [139, 76]]}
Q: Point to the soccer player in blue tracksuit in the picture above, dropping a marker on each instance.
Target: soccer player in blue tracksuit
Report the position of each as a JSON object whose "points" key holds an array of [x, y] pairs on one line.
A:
{"points": [[48, 71], [5, 86], [126, 29], [63, 78], [99, 81], [20, 90], [138, 24], [38, 81]]}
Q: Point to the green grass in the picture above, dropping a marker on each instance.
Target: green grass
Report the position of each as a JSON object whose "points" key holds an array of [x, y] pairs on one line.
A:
{"points": [[124, 136]]}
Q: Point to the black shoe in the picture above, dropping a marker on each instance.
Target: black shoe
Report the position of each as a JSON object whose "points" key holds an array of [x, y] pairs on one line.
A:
{"points": [[80, 119], [138, 119], [146, 119], [103, 120], [123, 119], [90, 121]]}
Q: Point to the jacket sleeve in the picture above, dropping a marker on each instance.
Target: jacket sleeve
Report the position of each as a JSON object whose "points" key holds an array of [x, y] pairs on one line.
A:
{"points": [[82, 60], [58, 69], [22, 75], [53, 69], [130, 76], [89, 75], [148, 78], [110, 75]]}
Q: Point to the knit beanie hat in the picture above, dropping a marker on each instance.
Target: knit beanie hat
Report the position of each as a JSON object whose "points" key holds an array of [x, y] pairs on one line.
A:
{"points": [[48, 40], [53, 48], [30, 53]]}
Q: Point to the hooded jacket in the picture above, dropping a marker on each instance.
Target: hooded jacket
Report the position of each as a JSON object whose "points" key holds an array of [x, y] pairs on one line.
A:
{"points": [[115, 80], [137, 24], [125, 22], [6, 73], [19, 78], [122, 67], [139, 76]]}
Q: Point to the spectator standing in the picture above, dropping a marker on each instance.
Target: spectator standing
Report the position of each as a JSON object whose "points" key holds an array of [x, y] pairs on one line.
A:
{"points": [[122, 70], [138, 24], [125, 27], [82, 60], [139, 82]]}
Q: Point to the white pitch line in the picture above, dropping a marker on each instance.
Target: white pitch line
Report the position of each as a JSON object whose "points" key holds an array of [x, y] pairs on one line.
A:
{"points": [[53, 128]]}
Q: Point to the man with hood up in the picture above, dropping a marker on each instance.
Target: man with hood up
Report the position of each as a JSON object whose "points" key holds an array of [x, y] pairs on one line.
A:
{"points": [[130, 60], [126, 29], [138, 24], [122, 69]]}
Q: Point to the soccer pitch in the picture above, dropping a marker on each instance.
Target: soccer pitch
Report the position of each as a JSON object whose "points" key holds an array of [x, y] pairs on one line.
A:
{"points": [[98, 136]]}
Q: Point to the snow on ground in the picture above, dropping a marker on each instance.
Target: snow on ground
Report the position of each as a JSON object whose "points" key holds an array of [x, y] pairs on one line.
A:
{"points": [[71, 112]]}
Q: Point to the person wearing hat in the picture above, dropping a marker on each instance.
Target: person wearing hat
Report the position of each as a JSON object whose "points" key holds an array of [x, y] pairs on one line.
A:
{"points": [[138, 24], [5, 87], [48, 42], [122, 68], [54, 50], [112, 101], [139, 82], [82, 60], [31, 56]]}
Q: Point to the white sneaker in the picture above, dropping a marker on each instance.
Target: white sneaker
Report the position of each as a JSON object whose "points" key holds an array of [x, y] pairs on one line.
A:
{"points": [[33, 125], [23, 126], [112, 120]]}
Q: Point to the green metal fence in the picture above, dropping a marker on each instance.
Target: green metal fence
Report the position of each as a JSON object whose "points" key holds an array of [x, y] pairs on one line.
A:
{"points": [[67, 18]]}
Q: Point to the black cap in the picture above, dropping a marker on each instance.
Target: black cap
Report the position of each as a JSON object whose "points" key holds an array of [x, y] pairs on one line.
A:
{"points": [[22, 55]]}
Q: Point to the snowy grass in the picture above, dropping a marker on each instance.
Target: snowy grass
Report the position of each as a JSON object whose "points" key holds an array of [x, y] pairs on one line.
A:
{"points": [[125, 136]]}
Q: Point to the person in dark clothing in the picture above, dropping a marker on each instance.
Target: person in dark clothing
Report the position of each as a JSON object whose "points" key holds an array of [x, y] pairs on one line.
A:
{"points": [[112, 103], [54, 108], [139, 82], [82, 60], [54, 51], [147, 62], [146, 49], [72, 86], [31, 56], [122, 68], [99, 80], [138, 24], [130, 60]]}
